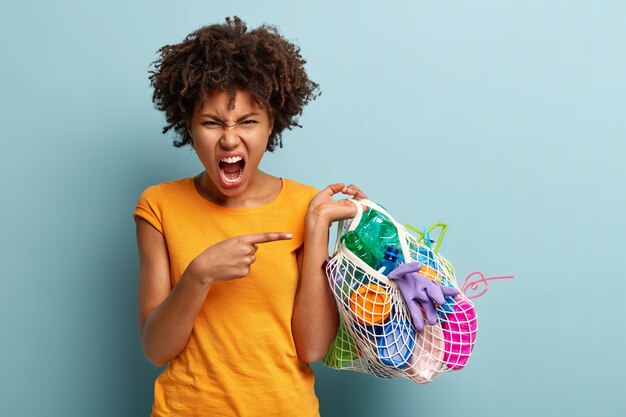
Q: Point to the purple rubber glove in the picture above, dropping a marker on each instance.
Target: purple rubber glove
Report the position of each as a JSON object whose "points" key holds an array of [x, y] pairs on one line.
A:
{"points": [[418, 290]]}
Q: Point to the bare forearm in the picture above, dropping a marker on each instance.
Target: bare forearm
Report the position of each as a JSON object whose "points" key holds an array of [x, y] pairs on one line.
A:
{"points": [[315, 318], [167, 328]]}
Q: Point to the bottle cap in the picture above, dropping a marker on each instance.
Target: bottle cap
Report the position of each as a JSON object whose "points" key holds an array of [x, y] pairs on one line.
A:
{"points": [[392, 252], [349, 237]]}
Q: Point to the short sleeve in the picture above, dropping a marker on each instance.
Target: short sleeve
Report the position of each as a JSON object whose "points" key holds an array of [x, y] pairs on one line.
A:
{"points": [[310, 192], [149, 207], [315, 191]]}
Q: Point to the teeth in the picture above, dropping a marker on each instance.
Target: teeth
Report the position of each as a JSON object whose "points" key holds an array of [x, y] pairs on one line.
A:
{"points": [[229, 181], [232, 159]]}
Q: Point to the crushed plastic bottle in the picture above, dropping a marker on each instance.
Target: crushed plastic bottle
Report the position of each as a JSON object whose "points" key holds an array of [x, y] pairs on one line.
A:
{"points": [[377, 232]]}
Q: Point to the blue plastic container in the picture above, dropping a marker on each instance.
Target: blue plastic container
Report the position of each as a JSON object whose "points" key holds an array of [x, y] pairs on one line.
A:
{"points": [[395, 343]]}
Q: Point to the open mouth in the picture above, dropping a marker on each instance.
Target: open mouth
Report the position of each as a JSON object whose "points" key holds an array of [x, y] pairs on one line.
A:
{"points": [[231, 170]]}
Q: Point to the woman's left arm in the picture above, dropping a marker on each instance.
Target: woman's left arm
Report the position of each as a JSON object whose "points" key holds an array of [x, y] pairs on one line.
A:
{"points": [[315, 318]]}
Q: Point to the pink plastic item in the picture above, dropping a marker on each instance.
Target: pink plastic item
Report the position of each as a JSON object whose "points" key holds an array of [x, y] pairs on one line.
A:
{"points": [[427, 359], [459, 334]]}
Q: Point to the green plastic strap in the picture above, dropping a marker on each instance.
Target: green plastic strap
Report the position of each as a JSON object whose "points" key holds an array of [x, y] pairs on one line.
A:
{"points": [[420, 233]]}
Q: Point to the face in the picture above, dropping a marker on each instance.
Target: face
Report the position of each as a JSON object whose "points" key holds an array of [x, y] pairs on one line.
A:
{"points": [[230, 142]]}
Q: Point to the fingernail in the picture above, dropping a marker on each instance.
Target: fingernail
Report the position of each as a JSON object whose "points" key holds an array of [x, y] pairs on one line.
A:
{"points": [[288, 235]]}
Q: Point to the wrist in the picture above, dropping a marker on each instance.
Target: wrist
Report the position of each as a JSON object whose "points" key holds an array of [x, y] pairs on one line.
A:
{"points": [[198, 275], [314, 221]]}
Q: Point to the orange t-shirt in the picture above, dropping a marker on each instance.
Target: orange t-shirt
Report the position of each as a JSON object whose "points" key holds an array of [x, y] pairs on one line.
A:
{"points": [[240, 359]]}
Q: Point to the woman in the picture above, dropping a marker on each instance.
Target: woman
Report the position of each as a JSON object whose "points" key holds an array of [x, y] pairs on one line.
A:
{"points": [[232, 295]]}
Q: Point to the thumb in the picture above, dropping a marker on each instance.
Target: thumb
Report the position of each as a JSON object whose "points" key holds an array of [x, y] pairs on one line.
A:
{"points": [[435, 293], [449, 291]]}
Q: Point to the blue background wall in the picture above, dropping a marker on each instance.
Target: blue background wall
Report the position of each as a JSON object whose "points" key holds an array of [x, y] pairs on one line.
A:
{"points": [[504, 119]]}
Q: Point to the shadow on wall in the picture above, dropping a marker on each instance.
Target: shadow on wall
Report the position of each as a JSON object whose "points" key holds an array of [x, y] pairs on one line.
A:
{"points": [[125, 378], [352, 394], [129, 376]]}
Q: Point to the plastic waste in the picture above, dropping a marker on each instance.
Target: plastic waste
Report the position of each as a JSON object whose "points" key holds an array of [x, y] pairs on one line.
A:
{"points": [[395, 343], [377, 232], [353, 241], [427, 360], [420, 293], [370, 304], [389, 262], [343, 350], [459, 334]]}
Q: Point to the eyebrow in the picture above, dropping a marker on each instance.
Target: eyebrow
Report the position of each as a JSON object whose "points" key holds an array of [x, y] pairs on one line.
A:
{"points": [[214, 117]]}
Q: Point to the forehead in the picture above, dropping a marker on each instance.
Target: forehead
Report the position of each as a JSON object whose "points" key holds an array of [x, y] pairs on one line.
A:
{"points": [[218, 102]]}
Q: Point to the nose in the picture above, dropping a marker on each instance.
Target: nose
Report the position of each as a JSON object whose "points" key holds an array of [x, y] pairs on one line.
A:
{"points": [[230, 139]]}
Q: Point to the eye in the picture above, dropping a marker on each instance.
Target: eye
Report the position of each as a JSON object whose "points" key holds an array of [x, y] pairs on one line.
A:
{"points": [[249, 122], [211, 124]]}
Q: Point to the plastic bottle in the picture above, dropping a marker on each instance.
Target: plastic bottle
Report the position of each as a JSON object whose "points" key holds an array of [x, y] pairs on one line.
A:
{"points": [[377, 232], [353, 241], [389, 262]]}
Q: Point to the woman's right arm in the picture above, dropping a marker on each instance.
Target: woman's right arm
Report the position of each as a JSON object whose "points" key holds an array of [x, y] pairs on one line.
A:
{"points": [[166, 315]]}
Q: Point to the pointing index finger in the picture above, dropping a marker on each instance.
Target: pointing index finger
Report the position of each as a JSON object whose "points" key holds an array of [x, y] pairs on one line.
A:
{"points": [[268, 237]]}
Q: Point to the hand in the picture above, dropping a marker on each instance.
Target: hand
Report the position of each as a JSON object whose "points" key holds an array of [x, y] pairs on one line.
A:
{"points": [[231, 258], [323, 208], [418, 290]]}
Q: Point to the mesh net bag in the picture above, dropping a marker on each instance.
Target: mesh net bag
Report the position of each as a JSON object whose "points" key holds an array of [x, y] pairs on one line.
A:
{"points": [[376, 334]]}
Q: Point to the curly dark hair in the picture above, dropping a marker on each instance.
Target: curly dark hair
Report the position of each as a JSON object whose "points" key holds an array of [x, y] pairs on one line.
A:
{"points": [[229, 57]]}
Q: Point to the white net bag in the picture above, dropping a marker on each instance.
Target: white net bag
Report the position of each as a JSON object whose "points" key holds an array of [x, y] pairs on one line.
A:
{"points": [[376, 333]]}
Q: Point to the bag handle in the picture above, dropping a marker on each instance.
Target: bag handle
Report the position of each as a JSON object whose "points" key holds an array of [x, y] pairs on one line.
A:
{"points": [[355, 221]]}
